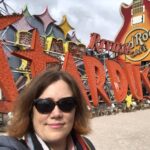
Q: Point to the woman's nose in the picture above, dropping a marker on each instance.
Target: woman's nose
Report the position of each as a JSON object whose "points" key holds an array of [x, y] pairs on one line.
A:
{"points": [[56, 112]]}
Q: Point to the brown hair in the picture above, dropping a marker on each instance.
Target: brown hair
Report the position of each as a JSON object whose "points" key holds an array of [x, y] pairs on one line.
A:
{"points": [[21, 122]]}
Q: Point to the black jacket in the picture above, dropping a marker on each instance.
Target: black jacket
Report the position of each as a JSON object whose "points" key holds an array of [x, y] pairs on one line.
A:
{"points": [[10, 143]]}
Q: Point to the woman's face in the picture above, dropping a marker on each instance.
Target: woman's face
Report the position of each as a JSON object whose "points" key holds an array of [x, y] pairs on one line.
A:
{"points": [[56, 125]]}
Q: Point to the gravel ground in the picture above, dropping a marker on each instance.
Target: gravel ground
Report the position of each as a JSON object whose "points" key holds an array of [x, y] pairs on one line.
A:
{"points": [[123, 131]]}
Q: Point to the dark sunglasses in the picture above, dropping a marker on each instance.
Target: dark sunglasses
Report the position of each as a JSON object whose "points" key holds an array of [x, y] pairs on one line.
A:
{"points": [[47, 105]]}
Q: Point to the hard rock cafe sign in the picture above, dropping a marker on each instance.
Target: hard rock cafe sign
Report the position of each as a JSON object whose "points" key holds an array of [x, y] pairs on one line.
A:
{"points": [[139, 42]]}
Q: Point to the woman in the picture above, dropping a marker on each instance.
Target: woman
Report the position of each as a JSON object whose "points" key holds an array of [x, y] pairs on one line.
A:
{"points": [[50, 113]]}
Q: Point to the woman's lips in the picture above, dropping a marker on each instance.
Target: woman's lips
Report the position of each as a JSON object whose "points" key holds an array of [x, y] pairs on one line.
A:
{"points": [[56, 125]]}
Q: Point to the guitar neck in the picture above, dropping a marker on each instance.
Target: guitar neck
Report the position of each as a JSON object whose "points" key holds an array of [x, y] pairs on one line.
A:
{"points": [[137, 7]]}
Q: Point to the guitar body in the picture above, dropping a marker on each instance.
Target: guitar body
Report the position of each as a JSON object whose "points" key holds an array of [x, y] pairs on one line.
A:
{"points": [[136, 31]]}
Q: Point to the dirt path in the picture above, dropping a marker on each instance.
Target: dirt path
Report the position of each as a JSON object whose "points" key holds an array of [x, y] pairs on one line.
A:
{"points": [[123, 131]]}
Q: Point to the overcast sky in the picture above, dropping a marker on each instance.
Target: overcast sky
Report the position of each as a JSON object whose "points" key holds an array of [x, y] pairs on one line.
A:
{"points": [[86, 16]]}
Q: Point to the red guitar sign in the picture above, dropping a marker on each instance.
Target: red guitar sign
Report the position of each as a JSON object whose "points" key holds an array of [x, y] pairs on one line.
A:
{"points": [[136, 31]]}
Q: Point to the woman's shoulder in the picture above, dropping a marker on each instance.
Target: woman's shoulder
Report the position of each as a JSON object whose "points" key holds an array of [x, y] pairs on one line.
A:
{"points": [[89, 143], [8, 143]]}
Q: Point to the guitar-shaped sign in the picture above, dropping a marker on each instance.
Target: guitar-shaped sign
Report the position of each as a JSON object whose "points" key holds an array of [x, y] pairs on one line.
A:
{"points": [[136, 31]]}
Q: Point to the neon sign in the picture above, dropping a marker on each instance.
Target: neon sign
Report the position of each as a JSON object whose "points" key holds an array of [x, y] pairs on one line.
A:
{"points": [[122, 75], [98, 44]]}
